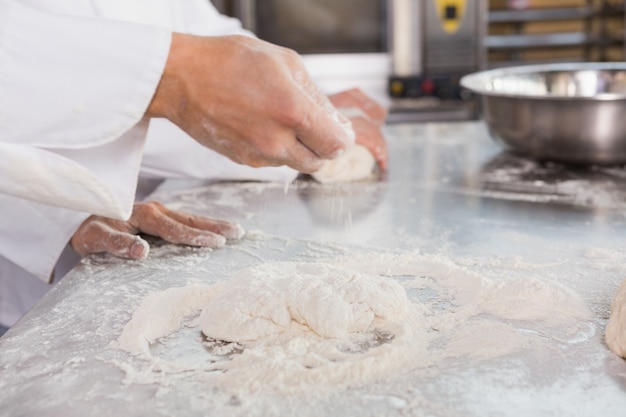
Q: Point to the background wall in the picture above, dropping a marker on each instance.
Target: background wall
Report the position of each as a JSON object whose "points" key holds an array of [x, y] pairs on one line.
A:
{"points": [[594, 33]]}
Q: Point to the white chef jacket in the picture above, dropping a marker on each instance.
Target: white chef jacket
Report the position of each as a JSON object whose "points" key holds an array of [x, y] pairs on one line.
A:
{"points": [[73, 134]]}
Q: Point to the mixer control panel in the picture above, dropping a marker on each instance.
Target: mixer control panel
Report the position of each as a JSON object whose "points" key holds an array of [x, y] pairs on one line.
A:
{"points": [[441, 86]]}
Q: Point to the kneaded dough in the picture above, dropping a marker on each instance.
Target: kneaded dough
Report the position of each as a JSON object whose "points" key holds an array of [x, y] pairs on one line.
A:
{"points": [[615, 334], [328, 300], [354, 164]]}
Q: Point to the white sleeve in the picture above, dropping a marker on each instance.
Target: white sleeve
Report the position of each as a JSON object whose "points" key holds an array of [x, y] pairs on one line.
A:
{"points": [[200, 17], [70, 87], [34, 235]]}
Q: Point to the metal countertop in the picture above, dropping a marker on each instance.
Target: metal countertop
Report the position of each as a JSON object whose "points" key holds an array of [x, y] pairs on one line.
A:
{"points": [[449, 190]]}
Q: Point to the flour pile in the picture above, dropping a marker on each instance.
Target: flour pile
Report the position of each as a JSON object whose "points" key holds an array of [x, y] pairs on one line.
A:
{"points": [[317, 323], [330, 301], [289, 327]]}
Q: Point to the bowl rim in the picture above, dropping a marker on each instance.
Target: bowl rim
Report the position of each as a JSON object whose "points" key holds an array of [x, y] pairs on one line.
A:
{"points": [[476, 81]]}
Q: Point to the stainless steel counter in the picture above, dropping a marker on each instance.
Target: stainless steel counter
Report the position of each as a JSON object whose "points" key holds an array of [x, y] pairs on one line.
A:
{"points": [[449, 190]]}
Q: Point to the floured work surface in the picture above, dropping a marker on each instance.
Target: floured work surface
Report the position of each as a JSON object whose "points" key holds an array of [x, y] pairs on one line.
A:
{"points": [[498, 308], [377, 317], [516, 177]]}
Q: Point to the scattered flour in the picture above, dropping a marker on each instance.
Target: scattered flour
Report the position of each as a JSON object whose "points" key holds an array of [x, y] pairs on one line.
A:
{"points": [[532, 299], [289, 327], [160, 314]]}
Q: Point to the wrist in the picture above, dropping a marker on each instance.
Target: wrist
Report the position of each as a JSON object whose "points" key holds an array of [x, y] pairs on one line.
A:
{"points": [[167, 97]]}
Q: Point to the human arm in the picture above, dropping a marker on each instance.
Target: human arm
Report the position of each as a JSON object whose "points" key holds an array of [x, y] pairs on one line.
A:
{"points": [[281, 119], [257, 105], [167, 144], [76, 107]]}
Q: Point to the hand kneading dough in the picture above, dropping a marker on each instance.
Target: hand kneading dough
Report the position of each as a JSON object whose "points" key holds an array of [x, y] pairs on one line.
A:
{"points": [[328, 300], [615, 334], [354, 164]]}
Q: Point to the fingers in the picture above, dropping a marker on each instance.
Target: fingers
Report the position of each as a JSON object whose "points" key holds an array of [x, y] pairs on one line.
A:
{"points": [[174, 232], [313, 131], [322, 129], [357, 98], [283, 149], [230, 231], [367, 117], [370, 136], [96, 235], [182, 228]]}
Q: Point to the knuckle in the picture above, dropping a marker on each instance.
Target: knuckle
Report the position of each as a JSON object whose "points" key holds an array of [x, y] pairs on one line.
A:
{"points": [[149, 208], [290, 55], [275, 149], [292, 114], [252, 159], [268, 150]]}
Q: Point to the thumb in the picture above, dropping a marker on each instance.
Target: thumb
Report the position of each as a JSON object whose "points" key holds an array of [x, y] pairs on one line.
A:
{"points": [[126, 245], [99, 237], [323, 130]]}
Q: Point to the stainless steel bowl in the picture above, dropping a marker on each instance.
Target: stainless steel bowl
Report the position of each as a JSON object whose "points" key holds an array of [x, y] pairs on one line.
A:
{"points": [[573, 113]]}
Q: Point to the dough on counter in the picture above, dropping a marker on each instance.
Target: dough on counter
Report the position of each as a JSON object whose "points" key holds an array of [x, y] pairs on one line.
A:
{"points": [[315, 327], [297, 327], [328, 300], [356, 163], [615, 334]]}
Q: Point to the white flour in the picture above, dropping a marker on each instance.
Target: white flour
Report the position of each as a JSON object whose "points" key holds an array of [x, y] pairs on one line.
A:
{"points": [[330, 301], [518, 178], [356, 163], [316, 327]]}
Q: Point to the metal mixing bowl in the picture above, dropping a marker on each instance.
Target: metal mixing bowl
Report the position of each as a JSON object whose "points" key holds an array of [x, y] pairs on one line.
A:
{"points": [[574, 113]]}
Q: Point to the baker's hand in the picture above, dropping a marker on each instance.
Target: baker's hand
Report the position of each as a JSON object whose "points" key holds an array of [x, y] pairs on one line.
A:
{"points": [[120, 238], [250, 101], [366, 122], [355, 97]]}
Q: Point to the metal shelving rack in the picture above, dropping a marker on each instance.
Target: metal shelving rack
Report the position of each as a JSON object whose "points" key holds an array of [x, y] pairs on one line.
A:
{"points": [[594, 40]]}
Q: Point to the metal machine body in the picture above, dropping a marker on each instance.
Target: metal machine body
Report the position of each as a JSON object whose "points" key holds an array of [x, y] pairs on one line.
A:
{"points": [[433, 43]]}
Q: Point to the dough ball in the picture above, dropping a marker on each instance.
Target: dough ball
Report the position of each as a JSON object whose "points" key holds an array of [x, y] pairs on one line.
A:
{"points": [[356, 163], [615, 334], [329, 300]]}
